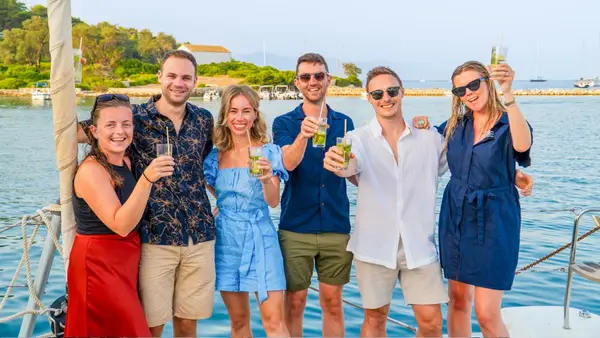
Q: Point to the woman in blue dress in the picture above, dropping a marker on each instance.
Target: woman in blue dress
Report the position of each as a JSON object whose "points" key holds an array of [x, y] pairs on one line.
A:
{"points": [[247, 253], [480, 215]]}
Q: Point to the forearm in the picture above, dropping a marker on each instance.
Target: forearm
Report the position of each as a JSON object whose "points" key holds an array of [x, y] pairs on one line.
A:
{"points": [[519, 129], [81, 136], [294, 153], [130, 213], [271, 192]]}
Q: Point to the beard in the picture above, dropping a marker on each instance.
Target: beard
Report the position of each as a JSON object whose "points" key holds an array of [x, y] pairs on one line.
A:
{"points": [[320, 95], [177, 102]]}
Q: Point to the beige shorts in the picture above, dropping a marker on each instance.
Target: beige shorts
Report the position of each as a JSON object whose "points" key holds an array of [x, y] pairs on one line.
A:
{"points": [[177, 281], [420, 286]]}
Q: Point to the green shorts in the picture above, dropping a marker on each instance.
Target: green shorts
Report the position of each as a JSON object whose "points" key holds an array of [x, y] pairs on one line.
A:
{"points": [[302, 251]]}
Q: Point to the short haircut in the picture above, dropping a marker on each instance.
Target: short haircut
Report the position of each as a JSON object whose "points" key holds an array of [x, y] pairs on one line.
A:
{"points": [[312, 58], [381, 70], [182, 54]]}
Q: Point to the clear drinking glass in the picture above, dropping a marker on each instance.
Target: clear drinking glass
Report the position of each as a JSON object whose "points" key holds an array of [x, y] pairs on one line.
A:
{"points": [[255, 153], [320, 136], [164, 149], [498, 55], [345, 145]]}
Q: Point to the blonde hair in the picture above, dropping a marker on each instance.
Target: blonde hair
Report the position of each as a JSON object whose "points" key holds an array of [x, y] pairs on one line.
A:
{"points": [[258, 132], [493, 106]]}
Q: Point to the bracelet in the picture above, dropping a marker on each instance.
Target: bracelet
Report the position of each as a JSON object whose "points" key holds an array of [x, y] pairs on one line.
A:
{"points": [[509, 103], [146, 177]]}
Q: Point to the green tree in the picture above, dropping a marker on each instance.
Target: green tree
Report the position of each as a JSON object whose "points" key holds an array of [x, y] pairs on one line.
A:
{"points": [[12, 13], [36, 38], [351, 69]]}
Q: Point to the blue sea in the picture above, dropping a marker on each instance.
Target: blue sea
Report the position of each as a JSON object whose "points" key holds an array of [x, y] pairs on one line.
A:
{"points": [[565, 167]]}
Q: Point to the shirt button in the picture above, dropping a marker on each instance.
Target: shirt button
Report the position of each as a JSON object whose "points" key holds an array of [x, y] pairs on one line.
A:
{"points": [[322, 185], [322, 204]]}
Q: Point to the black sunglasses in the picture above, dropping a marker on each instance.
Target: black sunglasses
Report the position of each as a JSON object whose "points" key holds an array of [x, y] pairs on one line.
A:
{"points": [[378, 93], [305, 77], [109, 97], [473, 86]]}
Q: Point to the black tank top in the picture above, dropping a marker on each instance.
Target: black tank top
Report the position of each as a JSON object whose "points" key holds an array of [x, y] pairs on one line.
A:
{"points": [[87, 221]]}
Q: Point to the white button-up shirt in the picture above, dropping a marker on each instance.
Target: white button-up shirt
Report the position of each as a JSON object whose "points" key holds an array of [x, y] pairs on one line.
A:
{"points": [[395, 200]]}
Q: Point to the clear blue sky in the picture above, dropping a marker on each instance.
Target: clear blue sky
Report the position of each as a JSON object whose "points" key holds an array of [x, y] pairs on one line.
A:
{"points": [[426, 38]]}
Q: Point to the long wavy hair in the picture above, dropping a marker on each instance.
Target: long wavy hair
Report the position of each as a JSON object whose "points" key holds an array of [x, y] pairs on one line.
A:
{"points": [[95, 151], [222, 137], [494, 106]]}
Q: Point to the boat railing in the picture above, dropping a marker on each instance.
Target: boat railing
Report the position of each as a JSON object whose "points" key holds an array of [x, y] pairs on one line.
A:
{"points": [[49, 217], [589, 270]]}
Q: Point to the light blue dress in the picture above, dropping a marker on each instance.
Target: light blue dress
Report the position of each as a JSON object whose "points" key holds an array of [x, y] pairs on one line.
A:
{"points": [[247, 253]]}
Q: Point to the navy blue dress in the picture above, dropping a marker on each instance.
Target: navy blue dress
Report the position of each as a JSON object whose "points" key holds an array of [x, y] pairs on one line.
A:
{"points": [[480, 215]]}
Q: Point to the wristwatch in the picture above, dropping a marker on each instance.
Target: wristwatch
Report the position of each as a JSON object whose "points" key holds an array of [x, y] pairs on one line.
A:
{"points": [[509, 103]]}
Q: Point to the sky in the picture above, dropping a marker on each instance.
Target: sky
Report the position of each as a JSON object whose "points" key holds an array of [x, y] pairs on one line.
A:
{"points": [[419, 39]]}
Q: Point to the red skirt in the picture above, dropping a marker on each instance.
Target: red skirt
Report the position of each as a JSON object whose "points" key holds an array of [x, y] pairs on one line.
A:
{"points": [[103, 287]]}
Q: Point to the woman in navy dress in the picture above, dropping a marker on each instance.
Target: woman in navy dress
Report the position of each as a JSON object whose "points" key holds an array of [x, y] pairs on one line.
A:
{"points": [[480, 216]]}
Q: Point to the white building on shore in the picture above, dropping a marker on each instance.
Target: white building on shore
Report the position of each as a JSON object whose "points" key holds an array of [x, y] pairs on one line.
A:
{"points": [[206, 54]]}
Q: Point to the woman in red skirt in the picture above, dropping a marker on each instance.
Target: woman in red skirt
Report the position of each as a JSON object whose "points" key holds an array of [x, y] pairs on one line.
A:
{"points": [[108, 204]]}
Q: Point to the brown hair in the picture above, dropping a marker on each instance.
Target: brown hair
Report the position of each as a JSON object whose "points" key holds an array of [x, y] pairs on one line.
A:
{"points": [[258, 132], [182, 54], [312, 58], [95, 151], [493, 106], [381, 70]]}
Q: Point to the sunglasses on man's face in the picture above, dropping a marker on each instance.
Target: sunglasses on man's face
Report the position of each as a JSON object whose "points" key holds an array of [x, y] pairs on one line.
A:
{"points": [[109, 97], [378, 93], [305, 77], [473, 86]]}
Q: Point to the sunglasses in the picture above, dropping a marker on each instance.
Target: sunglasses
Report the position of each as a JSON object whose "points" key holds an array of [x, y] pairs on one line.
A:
{"points": [[305, 77], [378, 93], [473, 86], [109, 97]]}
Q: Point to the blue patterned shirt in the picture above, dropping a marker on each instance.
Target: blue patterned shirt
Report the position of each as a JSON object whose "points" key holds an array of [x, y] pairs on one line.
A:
{"points": [[178, 207]]}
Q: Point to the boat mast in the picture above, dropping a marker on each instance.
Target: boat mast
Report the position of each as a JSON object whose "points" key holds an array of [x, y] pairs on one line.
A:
{"points": [[64, 115]]}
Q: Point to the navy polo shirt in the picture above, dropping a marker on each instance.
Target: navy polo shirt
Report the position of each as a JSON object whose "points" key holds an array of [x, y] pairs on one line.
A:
{"points": [[314, 200]]}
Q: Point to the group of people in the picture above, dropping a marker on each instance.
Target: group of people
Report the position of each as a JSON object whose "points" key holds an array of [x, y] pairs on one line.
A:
{"points": [[150, 248]]}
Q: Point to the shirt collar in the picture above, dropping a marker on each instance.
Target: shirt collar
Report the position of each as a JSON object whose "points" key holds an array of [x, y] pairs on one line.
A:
{"points": [[151, 106], [502, 120], [377, 131], [299, 113]]}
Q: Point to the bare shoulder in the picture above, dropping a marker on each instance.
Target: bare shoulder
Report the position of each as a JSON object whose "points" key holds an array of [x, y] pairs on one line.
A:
{"points": [[91, 170]]}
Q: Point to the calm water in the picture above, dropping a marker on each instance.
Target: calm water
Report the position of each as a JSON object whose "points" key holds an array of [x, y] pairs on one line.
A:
{"points": [[565, 167]]}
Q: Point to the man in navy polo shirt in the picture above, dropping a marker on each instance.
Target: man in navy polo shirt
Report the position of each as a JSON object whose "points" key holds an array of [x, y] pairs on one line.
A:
{"points": [[315, 212]]}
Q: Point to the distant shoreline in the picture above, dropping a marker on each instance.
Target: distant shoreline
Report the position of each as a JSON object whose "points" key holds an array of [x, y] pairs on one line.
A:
{"points": [[147, 91]]}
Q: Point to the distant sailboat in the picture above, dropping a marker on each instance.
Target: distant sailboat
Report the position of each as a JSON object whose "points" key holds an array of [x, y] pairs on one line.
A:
{"points": [[537, 77]]}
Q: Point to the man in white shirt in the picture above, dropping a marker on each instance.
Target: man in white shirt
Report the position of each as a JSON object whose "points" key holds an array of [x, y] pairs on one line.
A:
{"points": [[397, 167]]}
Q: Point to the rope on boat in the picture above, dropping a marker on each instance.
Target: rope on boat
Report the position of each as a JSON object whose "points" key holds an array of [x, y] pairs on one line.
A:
{"points": [[553, 253], [41, 217], [390, 319]]}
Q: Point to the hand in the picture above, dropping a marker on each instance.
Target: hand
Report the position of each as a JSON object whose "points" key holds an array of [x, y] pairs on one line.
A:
{"points": [[265, 168], [334, 160], [309, 127], [524, 182], [504, 75], [420, 122], [160, 167]]}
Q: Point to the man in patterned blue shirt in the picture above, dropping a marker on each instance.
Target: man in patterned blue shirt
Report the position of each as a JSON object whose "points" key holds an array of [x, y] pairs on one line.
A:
{"points": [[177, 272]]}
